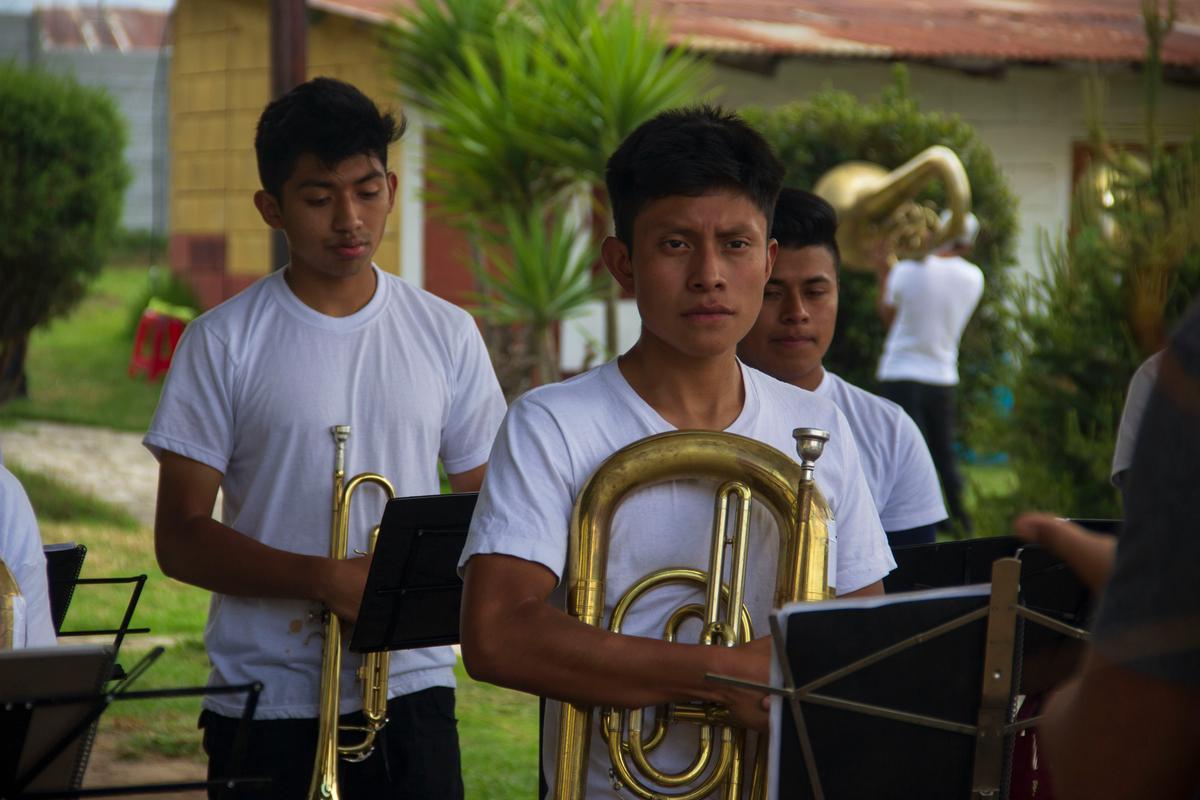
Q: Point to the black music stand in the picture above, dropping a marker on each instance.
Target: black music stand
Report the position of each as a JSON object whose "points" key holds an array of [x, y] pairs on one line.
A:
{"points": [[909, 695], [50, 703], [29, 732], [413, 593], [64, 562]]}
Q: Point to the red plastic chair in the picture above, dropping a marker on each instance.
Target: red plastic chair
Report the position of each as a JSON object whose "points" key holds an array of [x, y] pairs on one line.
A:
{"points": [[154, 343]]}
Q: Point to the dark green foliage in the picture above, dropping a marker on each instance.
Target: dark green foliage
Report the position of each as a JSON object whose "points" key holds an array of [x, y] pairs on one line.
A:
{"points": [[834, 127], [62, 179], [1081, 324]]}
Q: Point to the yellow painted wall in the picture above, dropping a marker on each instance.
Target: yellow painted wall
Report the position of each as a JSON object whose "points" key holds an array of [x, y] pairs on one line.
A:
{"points": [[219, 83]]}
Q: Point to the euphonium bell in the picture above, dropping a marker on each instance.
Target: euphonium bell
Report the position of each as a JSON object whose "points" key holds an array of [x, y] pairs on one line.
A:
{"points": [[746, 471], [373, 674], [877, 211]]}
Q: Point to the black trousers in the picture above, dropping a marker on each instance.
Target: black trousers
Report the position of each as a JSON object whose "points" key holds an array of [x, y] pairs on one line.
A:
{"points": [[932, 408], [416, 756]]}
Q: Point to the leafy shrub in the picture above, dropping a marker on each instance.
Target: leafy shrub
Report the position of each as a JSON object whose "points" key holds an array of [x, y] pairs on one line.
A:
{"points": [[833, 127], [1105, 302], [62, 178]]}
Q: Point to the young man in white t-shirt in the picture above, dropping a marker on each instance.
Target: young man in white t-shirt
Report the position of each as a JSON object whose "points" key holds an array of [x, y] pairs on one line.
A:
{"points": [[794, 331], [925, 305], [22, 554], [253, 390], [692, 193]]}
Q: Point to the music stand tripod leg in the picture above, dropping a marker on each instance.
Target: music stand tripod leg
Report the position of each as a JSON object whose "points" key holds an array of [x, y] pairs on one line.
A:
{"points": [[997, 679]]}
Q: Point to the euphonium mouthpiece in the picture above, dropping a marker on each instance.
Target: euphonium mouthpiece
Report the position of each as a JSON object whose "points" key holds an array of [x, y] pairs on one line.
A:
{"points": [[810, 443]]}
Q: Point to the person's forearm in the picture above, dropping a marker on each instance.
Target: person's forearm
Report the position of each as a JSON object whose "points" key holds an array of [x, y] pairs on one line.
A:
{"points": [[543, 651], [205, 553], [885, 310]]}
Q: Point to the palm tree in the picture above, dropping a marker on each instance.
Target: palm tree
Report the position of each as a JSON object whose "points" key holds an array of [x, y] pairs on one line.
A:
{"points": [[525, 101]]}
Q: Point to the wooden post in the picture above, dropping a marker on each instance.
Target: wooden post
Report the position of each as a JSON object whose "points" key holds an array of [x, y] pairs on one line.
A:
{"points": [[289, 68]]}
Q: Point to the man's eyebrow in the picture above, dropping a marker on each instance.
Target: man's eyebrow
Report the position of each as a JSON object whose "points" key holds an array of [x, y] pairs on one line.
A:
{"points": [[374, 174], [324, 183], [315, 183], [818, 279]]}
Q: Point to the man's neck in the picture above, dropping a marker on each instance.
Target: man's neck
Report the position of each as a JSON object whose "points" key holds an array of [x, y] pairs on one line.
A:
{"points": [[690, 393], [332, 296], [812, 380]]}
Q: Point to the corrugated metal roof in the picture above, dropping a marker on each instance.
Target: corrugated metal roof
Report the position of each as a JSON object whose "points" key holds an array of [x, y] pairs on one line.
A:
{"points": [[95, 27], [1004, 30], [993, 30]]}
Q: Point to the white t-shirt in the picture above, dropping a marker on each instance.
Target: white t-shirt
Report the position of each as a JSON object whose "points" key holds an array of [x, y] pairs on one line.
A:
{"points": [[934, 298], [555, 437], [1140, 386], [21, 551], [253, 390], [894, 456]]}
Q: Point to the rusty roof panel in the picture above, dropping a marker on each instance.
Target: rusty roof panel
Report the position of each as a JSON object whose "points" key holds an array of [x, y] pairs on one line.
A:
{"points": [[1004, 30], [96, 27]]}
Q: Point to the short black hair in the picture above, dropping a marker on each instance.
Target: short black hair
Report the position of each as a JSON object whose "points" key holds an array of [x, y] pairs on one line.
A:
{"points": [[803, 219], [690, 152], [328, 118]]}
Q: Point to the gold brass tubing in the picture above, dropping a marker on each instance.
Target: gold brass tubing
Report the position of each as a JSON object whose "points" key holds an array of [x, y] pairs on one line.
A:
{"points": [[374, 671], [745, 469]]}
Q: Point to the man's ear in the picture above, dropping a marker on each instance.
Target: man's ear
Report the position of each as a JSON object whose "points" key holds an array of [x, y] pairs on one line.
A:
{"points": [[392, 182], [615, 256], [772, 254], [268, 208]]}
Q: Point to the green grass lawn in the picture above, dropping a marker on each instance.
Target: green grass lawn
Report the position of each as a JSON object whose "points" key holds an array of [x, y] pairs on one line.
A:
{"points": [[77, 365]]}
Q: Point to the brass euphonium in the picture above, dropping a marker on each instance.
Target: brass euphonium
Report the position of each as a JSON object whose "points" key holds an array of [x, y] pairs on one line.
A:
{"points": [[877, 209], [12, 622], [373, 674], [747, 471]]}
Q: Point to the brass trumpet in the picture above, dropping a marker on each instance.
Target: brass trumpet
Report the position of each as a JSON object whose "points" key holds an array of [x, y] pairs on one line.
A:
{"points": [[374, 670], [747, 470]]}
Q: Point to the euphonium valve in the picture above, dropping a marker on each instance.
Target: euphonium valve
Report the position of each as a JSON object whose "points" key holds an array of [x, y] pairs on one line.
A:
{"points": [[373, 674]]}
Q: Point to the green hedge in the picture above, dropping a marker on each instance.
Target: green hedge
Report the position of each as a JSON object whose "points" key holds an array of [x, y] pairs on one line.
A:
{"points": [[833, 127], [62, 179]]}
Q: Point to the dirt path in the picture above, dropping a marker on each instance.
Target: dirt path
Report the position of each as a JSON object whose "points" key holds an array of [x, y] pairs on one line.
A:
{"points": [[106, 769], [111, 465]]}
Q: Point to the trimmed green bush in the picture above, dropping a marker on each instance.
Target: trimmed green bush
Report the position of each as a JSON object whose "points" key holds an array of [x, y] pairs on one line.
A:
{"points": [[833, 127], [62, 179]]}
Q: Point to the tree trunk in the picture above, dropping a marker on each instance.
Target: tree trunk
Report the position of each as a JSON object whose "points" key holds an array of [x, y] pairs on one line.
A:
{"points": [[13, 381], [545, 348]]}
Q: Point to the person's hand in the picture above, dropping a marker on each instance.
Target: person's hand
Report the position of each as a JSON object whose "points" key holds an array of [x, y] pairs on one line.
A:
{"points": [[342, 588], [751, 662], [1089, 555]]}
